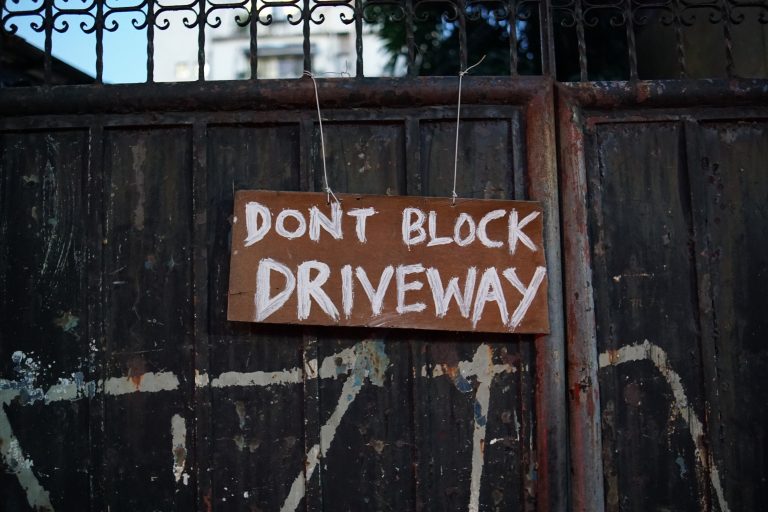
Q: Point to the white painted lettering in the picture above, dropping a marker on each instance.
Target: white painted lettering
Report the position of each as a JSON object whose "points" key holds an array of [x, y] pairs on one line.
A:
{"points": [[442, 296], [402, 287], [409, 226], [375, 296], [347, 293], [308, 288], [482, 235], [528, 293], [464, 218], [361, 214], [489, 290], [433, 238], [317, 219], [516, 231], [256, 232], [301, 228], [266, 305]]}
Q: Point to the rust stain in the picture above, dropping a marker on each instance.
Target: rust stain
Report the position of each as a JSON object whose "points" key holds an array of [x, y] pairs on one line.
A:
{"points": [[136, 379], [451, 371], [207, 501], [643, 92]]}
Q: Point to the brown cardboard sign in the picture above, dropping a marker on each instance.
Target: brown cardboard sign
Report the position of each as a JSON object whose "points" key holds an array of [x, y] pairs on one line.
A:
{"points": [[381, 261]]}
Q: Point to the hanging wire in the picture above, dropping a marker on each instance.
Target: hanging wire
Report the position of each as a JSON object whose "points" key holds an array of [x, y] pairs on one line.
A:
{"points": [[458, 119], [328, 190]]}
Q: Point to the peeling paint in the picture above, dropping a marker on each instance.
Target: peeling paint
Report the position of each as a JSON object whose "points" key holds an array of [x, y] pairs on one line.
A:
{"points": [[227, 379], [67, 322], [178, 445], [143, 383]]}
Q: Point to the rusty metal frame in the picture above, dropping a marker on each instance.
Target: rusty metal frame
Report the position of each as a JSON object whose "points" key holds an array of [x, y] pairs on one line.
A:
{"points": [[580, 107]]}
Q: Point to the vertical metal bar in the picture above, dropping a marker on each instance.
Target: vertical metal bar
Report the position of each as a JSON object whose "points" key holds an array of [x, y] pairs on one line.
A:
{"points": [[99, 41], [726, 13], [461, 8], [679, 43], [359, 38], [512, 26], [631, 44], [307, 45], [548, 67], [150, 41], [201, 16], [48, 26], [581, 41], [583, 390], [551, 411], [410, 40], [254, 49]]}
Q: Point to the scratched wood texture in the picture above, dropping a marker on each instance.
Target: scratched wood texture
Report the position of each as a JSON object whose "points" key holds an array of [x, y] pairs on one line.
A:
{"points": [[677, 227], [114, 267]]}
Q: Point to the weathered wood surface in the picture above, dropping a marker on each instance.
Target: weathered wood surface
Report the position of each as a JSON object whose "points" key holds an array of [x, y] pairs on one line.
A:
{"points": [[179, 409], [677, 233], [644, 281]]}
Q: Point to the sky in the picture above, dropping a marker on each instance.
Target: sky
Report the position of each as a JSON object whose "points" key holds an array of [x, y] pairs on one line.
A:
{"points": [[125, 50]]}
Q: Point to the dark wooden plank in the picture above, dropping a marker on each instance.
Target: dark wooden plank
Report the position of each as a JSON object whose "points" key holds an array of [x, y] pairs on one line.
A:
{"points": [[43, 318], [731, 197], [366, 449], [257, 431], [645, 282], [149, 317], [474, 421]]}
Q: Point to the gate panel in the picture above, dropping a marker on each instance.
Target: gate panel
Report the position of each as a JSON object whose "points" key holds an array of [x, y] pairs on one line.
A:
{"points": [[190, 411], [645, 290], [657, 287], [147, 251]]}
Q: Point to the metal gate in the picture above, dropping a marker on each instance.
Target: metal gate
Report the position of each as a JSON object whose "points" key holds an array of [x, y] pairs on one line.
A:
{"points": [[123, 387]]}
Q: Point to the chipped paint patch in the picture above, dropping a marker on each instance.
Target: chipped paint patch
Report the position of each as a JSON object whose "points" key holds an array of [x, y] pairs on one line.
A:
{"points": [[144, 383], [67, 322], [647, 351], [178, 445], [229, 379]]}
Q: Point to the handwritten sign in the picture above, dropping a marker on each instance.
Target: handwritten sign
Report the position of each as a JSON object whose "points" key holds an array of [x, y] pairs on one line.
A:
{"points": [[379, 261]]}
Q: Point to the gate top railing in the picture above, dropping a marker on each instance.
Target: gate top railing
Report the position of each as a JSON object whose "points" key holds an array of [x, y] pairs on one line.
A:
{"points": [[46, 41]]}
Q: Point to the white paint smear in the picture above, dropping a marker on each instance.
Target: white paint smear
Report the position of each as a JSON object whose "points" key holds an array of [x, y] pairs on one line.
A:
{"points": [[144, 383], [178, 445], [244, 379], [17, 463]]}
